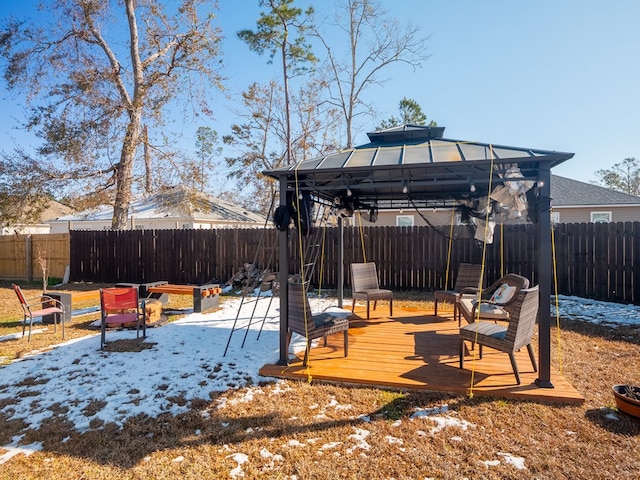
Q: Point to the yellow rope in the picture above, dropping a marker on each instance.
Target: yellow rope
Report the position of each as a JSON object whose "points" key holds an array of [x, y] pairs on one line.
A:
{"points": [[501, 250], [446, 274], [364, 254], [555, 282], [484, 256]]}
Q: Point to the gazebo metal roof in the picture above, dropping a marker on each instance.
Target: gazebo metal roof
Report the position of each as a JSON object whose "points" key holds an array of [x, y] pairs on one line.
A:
{"points": [[413, 164]]}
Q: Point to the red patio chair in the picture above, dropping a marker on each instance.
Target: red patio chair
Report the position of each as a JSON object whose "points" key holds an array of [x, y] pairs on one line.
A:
{"points": [[46, 306], [120, 307]]}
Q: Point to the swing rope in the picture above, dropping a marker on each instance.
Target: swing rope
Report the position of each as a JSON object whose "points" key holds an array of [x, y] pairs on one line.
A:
{"points": [[446, 274], [361, 229], [501, 249], [484, 256], [555, 283]]}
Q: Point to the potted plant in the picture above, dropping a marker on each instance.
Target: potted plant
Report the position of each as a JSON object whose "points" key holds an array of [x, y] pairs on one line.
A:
{"points": [[627, 399]]}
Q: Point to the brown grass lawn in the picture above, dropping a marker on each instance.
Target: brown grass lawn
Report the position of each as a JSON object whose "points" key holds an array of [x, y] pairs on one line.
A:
{"points": [[310, 431]]}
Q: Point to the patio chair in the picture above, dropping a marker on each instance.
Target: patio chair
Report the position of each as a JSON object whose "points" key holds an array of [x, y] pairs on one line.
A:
{"points": [[364, 283], [119, 307], [469, 275], [497, 300], [303, 322], [45, 304], [509, 339]]}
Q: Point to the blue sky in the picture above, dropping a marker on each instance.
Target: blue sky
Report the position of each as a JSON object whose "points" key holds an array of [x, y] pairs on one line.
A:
{"points": [[550, 74]]}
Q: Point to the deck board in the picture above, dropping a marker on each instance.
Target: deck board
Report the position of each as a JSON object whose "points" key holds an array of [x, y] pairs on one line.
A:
{"points": [[415, 350]]}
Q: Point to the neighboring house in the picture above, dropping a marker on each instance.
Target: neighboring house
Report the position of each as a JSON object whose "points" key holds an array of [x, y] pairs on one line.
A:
{"points": [[579, 202], [572, 201], [41, 225], [170, 208]]}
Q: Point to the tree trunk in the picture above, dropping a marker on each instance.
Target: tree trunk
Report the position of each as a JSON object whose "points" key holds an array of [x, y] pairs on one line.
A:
{"points": [[124, 179], [147, 161], [287, 106]]}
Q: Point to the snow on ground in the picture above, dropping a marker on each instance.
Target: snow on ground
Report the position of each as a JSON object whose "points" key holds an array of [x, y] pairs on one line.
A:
{"points": [[187, 360]]}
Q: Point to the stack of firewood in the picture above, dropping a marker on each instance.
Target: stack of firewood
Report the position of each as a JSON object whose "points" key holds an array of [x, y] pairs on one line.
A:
{"points": [[249, 277]]}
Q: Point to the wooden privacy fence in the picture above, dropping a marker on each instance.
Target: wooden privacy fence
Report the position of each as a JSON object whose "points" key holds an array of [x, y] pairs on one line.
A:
{"points": [[22, 257], [593, 260]]}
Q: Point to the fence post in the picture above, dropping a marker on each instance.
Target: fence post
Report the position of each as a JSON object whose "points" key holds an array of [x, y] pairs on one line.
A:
{"points": [[28, 257]]}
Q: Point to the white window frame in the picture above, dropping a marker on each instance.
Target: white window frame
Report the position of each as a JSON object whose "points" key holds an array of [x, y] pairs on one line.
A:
{"points": [[555, 217], [400, 219], [596, 214]]}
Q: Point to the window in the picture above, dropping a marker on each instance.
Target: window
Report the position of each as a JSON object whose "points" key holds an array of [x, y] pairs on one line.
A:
{"points": [[598, 217], [459, 220], [404, 220], [139, 226], [555, 217]]}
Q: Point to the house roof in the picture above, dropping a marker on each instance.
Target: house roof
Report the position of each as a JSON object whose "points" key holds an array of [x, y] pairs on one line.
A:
{"points": [[54, 210], [569, 192], [413, 165], [175, 202]]}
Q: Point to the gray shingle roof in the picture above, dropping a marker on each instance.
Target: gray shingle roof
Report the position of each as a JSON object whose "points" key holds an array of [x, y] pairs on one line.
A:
{"points": [[568, 192]]}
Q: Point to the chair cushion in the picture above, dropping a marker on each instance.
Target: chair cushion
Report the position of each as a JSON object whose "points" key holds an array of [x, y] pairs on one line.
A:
{"points": [[324, 320], [121, 318], [45, 311], [484, 329], [503, 294], [487, 310], [374, 294]]}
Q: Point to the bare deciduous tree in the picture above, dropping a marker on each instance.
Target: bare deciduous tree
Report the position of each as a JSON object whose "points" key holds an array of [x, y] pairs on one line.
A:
{"points": [[259, 139], [91, 84], [375, 41]]}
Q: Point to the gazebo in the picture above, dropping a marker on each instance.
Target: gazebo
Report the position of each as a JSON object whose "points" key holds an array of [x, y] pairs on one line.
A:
{"points": [[413, 166]]}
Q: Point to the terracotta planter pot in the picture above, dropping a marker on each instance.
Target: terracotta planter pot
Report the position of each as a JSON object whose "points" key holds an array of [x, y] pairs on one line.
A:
{"points": [[624, 402]]}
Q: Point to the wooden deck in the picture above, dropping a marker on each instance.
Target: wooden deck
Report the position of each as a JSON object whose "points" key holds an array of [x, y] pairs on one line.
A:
{"points": [[415, 350]]}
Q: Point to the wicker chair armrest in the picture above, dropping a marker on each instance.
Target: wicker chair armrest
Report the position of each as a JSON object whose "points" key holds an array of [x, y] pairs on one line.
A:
{"points": [[40, 299], [468, 290]]}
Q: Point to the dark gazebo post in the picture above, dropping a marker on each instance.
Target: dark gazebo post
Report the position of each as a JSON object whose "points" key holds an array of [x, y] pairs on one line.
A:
{"points": [[340, 262], [283, 277], [544, 276]]}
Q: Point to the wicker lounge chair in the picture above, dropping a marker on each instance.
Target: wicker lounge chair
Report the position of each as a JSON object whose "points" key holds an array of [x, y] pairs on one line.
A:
{"points": [[511, 338], [365, 286], [469, 275], [491, 306], [303, 322]]}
